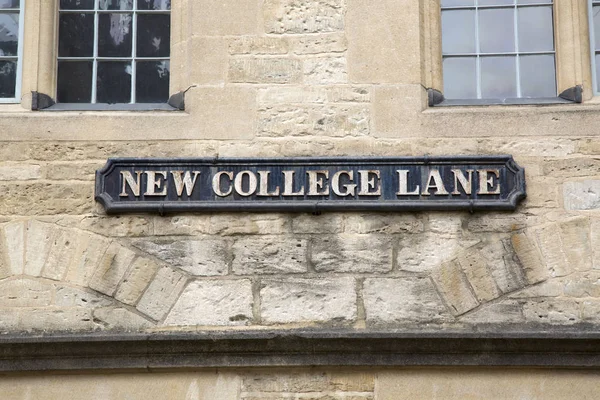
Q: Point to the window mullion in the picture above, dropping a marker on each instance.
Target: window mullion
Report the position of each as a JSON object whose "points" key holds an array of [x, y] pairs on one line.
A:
{"points": [[95, 63], [477, 50], [517, 58], [134, 51]]}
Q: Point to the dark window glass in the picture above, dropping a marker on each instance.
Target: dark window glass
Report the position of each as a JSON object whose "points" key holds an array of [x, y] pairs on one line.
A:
{"points": [[9, 34], [8, 78], [115, 4], [114, 35], [153, 35], [114, 82], [75, 81], [76, 4], [152, 81], [154, 4], [10, 4], [76, 35]]}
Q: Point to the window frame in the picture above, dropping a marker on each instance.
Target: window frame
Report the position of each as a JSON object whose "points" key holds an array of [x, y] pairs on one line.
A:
{"points": [[19, 75], [593, 46]]}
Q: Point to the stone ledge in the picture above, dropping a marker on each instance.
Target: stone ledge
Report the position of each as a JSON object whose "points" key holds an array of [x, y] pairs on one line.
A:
{"points": [[559, 348]]}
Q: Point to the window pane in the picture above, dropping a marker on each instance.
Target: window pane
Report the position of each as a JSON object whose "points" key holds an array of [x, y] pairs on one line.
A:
{"points": [[495, 2], [76, 35], [115, 4], [458, 31], [154, 4], [152, 82], [9, 4], [114, 35], [538, 76], [460, 77], [498, 77], [77, 4], [497, 30], [456, 3], [154, 35], [74, 82], [534, 1], [114, 82], [597, 58], [8, 78], [535, 29], [596, 15], [9, 34]]}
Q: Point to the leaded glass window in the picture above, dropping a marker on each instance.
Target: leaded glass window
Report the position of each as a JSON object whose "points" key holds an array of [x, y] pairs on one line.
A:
{"points": [[11, 34], [114, 51], [498, 49]]}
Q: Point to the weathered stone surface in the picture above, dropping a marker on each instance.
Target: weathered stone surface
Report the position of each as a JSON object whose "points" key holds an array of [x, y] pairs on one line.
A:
{"points": [[57, 320], [162, 293], [552, 311], [303, 382], [331, 120], [265, 70], [530, 258], [45, 198], [575, 235], [595, 242], [327, 223], [62, 246], [71, 171], [506, 272], [249, 224], [37, 242], [297, 16], [12, 242], [551, 247], [120, 319], [549, 288], [136, 280], [210, 60], [86, 257], [269, 255], [112, 268], [402, 300], [67, 296], [325, 71], [454, 286], [351, 253], [394, 107], [198, 257], [585, 284], [117, 226], [20, 172], [506, 312], [572, 167], [258, 45], [419, 253], [318, 44], [25, 293], [476, 270], [383, 223], [582, 195], [224, 17], [308, 300], [214, 302]]}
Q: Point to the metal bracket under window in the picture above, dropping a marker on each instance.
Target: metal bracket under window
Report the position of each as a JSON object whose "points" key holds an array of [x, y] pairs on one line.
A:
{"points": [[434, 96], [574, 94]]}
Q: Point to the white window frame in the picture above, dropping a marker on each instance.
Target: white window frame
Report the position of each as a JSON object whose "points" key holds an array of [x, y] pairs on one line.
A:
{"points": [[593, 45], [17, 98]]}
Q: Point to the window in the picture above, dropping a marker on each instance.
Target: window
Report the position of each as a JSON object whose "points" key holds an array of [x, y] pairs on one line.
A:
{"points": [[113, 51], [11, 44], [500, 50], [594, 13]]}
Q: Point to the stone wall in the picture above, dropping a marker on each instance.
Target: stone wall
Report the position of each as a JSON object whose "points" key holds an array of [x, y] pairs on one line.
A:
{"points": [[298, 78]]}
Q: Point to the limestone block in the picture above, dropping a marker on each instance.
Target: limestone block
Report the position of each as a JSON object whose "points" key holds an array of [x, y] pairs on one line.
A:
{"points": [[319, 44], [181, 225], [582, 284], [552, 311], [285, 95], [303, 382], [79, 171], [269, 255], [455, 288], [86, 258], [9, 320], [225, 17], [383, 223], [12, 242], [112, 268], [308, 300], [575, 236], [476, 270], [445, 223], [495, 222], [46, 198], [162, 293], [325, 71], [259, 45], [62, 246], [265, 70], [351, 253], [207, 60], [37, 241], [214, 303], [590, 311], [550, 243], [530, 258], [349, 94], [325, 223], [300, 16], [19, 172], [249, 224], [67, 296], [595, 242], [335, 120], [424, 252], [384, 41], [581, 195], [25, 292], [198, 257], [572, 167], [506, 272], [505, 312], [57, 320], [208, 105], [120, 319], [402, 300], [395, 107], [117, 226], [136, 280], [549, 288]]}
